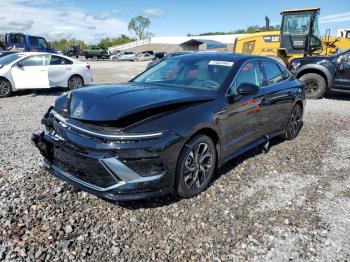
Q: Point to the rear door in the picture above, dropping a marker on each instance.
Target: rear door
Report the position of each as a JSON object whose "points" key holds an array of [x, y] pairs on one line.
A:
{"points": [[60, 70], [31, 72], [342, 77], [279, 95]]}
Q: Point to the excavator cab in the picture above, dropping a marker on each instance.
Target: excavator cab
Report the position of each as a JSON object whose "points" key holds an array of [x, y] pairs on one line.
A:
{"points": [[299, 33]]}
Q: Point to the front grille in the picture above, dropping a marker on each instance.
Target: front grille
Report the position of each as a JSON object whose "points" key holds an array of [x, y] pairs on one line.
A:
{"points": [[83, 167]]}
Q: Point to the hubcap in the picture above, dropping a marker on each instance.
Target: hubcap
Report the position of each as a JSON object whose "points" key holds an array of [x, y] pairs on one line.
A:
{"points": [[295, 120], [311, 86], [76, 82], [197, 166], [4, 88]]}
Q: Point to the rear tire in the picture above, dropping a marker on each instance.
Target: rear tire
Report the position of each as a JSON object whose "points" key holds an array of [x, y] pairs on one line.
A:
{"points": [[294, 123], [315, 85], [5, 88], [75, 82], [195, 166]]}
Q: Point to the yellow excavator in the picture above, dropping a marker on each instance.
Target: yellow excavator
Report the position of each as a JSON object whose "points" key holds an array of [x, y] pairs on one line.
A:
{"points": [[298, 37]]}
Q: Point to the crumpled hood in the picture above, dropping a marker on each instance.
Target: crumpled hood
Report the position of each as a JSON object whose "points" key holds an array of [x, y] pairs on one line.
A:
{"points": [[112, 102]]}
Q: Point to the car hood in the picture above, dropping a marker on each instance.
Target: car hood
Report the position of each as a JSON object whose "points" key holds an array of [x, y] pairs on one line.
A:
{"points": [[112, 102]]}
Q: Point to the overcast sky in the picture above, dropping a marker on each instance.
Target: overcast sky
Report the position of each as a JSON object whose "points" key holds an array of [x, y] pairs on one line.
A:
{"points": [[90, 20]]}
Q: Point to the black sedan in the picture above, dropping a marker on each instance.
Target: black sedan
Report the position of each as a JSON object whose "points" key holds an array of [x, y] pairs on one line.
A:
{"points": [[170, 127]]}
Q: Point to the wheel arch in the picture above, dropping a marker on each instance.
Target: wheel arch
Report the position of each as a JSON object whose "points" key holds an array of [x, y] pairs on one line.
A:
{"points": [[213, 135], [316, 69], [301, 104], [13, 87]]}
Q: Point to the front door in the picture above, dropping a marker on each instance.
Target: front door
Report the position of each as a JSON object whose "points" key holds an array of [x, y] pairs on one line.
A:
{"points": [[244, 124], [31, 72], [342, 73]]}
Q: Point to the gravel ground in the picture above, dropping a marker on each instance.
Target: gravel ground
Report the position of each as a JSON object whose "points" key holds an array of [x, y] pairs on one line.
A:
{"points": [[292, 203]]}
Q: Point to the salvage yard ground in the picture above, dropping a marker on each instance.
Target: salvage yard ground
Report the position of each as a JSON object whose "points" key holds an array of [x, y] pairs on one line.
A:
{"points": [[291, 203]]}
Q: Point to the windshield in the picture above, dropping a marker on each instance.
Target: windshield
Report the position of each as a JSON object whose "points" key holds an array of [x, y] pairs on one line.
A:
{"points": [[9, 58], [347, 35], [38, 42], [296, 24], [190, 71]]}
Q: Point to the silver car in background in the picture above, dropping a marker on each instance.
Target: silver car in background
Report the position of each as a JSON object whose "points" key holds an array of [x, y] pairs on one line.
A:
{"points": [[34, 70], [124, 56]]}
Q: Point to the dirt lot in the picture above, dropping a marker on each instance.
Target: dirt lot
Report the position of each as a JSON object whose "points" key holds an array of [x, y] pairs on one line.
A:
{"points": [[292, 203]]}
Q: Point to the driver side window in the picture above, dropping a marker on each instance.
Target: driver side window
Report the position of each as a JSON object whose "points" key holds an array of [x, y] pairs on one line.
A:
{"points": [[249, 73]]}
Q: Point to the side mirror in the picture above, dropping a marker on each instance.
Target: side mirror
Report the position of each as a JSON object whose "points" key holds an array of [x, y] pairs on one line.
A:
{"points": [[19, 64], [245, 89]]}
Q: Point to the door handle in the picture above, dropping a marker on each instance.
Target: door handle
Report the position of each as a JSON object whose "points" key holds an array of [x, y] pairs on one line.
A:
{"points": [[68, 68], [43, 70]]}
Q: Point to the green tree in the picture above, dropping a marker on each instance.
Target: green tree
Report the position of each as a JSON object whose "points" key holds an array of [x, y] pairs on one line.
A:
{"points": [[140, 27], [108, 42], [63, 44]]}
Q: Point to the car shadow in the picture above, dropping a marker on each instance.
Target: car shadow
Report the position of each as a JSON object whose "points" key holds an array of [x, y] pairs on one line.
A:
{"points": [[226, 168], [40, 92], [337, 96]]}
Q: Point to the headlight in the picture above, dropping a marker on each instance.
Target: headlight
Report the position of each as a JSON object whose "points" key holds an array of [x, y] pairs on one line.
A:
{"points": [[62, 104]]}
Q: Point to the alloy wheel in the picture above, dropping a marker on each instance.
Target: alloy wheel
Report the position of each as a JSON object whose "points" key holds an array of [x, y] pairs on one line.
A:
{"points": [[5, 88], [75, 82], [295, 121], [197, 166]]}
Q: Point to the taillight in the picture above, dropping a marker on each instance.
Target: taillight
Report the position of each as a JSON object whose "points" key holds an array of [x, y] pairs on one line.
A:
{"points": [[88, 66]]}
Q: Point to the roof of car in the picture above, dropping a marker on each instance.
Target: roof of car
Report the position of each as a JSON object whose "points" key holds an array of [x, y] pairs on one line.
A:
{"points": [[45, 53]]}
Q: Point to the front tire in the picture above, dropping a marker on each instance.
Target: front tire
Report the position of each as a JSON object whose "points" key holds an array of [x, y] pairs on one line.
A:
{"points": [[315, 85], [5, 88], [294, 123], [75, 82], [195, 166]]}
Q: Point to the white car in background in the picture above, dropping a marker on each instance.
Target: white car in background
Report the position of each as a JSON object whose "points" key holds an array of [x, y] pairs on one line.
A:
{"points": [[32, 70], [124, 56]]}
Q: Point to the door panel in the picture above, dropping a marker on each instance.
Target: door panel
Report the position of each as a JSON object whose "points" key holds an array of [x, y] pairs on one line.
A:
{"points": [[60, 70], [279, 96], [29, 77], [244, 121], [58, 75], [342, 77], [31, 72]]}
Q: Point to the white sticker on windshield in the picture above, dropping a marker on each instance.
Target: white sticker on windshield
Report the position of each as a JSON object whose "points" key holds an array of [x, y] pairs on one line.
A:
{"points": [[221, 63]]}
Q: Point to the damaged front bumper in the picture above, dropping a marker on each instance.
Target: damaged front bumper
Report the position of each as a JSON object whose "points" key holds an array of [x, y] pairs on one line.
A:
{"points": [[111, 165]]}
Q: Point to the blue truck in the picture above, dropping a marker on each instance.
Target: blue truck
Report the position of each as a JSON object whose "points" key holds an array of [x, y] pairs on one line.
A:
{"points": [[24, 43]]}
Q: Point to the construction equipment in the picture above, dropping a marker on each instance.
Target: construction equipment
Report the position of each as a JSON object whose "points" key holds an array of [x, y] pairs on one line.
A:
{"points": [[299, 36], [344, 33], [26, 43]]}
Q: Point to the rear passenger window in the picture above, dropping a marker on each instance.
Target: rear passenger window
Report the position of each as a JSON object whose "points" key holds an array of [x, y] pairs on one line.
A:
{"points": [[249, 73], [57, 60], [273, 73]]}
